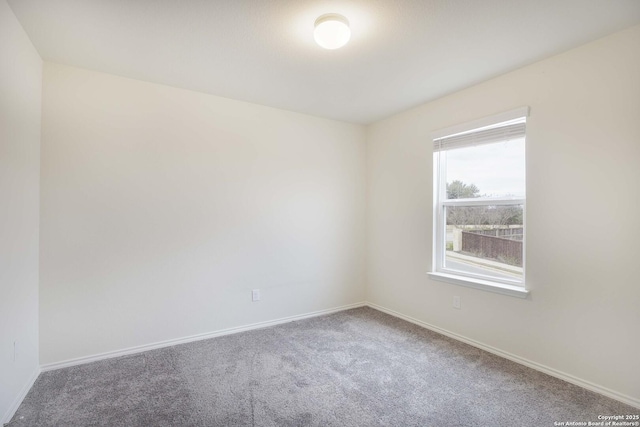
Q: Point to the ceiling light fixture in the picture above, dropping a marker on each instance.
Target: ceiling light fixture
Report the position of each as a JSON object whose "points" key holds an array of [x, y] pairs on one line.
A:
{"points": [[332, 31]]}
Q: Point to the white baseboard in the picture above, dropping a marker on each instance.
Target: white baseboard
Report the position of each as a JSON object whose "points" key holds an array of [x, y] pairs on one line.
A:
{"points": [[538, 367], [138, 349], [19, 398], [192, 338]]}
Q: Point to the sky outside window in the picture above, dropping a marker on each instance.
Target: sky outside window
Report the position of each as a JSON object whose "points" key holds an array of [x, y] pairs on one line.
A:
{"points": [[498, 170]]}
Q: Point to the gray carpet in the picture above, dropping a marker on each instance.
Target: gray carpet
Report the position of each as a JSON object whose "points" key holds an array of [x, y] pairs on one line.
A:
{"points": [[355, 368]]}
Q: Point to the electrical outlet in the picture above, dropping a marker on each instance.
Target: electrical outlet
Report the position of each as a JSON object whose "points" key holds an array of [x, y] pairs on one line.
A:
{"points": [[456, 302], [255, 295]]}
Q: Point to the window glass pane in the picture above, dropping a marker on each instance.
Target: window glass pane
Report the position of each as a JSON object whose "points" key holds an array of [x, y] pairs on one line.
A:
{"points": [[489, 170], [485, 240]]}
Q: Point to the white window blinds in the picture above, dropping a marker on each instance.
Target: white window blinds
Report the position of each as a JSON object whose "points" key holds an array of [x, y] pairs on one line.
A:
{"points": [[487, 136], [504, 127]]}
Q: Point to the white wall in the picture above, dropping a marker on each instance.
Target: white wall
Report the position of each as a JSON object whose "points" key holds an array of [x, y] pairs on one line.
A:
{"points": [[162, 208], [583, 176], [20, 106]]}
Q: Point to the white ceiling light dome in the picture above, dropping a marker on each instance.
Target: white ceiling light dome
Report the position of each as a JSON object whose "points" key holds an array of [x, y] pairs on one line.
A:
{"points": [[332, 31]]}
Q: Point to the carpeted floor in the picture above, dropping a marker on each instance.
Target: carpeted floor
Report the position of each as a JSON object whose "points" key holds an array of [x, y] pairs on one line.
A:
{"points": [[354, 368]]}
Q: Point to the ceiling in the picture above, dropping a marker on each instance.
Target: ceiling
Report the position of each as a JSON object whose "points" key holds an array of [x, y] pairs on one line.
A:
{"points": [[402, 52]]}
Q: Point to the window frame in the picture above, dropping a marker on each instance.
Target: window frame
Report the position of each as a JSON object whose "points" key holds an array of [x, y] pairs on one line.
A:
{"points": [[439, 272]]}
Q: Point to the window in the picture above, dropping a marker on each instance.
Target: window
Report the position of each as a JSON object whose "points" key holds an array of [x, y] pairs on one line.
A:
{"points": [[479, 199]]}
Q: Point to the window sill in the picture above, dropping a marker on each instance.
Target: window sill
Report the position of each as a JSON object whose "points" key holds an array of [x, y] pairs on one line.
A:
{"points": [[485, 285]]}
